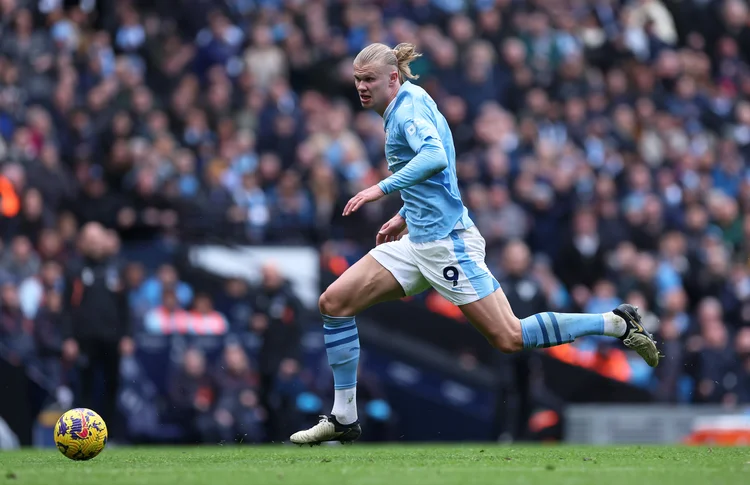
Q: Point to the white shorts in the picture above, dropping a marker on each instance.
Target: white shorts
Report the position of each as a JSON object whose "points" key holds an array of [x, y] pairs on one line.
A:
{"points": [[454, 266]]}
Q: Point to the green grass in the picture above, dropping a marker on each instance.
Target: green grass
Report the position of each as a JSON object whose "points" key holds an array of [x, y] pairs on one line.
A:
{"points": [[385, 465]]}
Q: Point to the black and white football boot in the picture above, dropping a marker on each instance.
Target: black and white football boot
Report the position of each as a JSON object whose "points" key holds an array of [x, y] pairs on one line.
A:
{"points": [[327, 429]]}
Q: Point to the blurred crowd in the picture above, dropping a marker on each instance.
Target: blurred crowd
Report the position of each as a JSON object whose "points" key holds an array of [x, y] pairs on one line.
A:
{"points": [[602, 145]]}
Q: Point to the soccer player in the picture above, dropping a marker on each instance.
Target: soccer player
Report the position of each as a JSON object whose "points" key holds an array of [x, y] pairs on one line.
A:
{"points": [[430, 242]]}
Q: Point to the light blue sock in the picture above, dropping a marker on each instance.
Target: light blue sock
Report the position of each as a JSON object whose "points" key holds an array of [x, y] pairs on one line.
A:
{"points": [[550, 329], [342, 347]]}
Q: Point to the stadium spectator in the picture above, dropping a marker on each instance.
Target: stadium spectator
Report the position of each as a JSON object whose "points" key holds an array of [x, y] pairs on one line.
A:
{"points": [[152, 290], [204, 320], [48, 337], [278, 312], [16, 331], [33, 290], [580, 263], [20, 261], [135, 275], [192, 395], [96, 323], [526, 296], [743, 354], [234, 303], [522, 289], [291, 400], [238, 411], [168, 318]]}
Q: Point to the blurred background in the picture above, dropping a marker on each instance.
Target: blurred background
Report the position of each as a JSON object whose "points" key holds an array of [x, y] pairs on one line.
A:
{"points": [[172, 177]]}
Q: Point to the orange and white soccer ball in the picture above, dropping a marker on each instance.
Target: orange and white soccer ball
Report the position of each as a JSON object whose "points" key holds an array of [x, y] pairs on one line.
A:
{"points": [[80, 434]]}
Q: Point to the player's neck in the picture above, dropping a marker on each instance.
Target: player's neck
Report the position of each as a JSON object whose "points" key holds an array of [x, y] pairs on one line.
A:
{"points": [[391, 96]]}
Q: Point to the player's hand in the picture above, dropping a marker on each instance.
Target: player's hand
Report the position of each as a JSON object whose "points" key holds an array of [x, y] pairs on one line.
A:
{"points": [[368, 195], [392, 230]]}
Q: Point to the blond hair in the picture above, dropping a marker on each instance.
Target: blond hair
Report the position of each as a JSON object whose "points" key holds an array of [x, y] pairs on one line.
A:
{"points": [[399, 57]]}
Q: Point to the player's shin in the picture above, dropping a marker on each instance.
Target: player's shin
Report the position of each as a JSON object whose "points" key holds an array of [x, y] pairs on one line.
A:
{"points": [[550, 329], [342, 347]]}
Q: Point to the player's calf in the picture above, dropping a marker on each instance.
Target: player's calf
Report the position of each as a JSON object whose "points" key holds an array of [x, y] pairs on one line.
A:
{"points": [[495, 319], [362, 285], [550, 329]]}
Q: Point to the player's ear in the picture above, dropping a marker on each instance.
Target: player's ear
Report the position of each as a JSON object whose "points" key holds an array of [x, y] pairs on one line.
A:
{"points": [[393, 78]]}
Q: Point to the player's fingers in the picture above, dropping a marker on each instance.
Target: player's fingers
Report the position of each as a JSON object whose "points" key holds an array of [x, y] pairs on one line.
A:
{"points": [[357, 204], [348, 207]]}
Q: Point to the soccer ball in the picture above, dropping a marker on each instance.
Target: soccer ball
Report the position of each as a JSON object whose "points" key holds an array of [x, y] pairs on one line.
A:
{"points": [[80, 434]]}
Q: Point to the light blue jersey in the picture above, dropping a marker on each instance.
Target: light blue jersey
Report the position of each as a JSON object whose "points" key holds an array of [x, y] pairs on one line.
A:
{"points": [[420, 153]]}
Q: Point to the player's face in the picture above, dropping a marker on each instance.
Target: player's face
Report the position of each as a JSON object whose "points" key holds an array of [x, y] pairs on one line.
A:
{"points": [[374, 84]]}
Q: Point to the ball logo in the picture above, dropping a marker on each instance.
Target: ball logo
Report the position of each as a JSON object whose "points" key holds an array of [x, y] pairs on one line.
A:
{"points": [[79, 428]]}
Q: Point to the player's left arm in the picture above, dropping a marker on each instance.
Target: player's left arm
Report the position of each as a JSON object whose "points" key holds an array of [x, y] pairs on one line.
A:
{"points": [[430, 159]]}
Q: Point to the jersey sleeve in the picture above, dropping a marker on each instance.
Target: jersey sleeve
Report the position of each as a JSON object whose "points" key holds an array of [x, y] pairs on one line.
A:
{"points": [[423, 138], [419, 129]]}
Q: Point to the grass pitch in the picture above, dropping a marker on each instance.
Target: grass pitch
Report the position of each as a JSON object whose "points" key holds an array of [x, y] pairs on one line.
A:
{"points": [[362, 464]]}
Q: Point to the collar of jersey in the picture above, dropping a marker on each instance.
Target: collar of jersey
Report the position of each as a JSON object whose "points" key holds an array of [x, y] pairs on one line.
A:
{"points": [[392, 104]]}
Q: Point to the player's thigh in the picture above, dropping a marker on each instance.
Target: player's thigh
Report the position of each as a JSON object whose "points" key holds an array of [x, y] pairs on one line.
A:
{"points": [[385, 274], [456, 268]]}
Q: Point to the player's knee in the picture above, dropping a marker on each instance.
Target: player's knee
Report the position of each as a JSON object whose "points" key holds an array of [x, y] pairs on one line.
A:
{"points": [[325, 304], [332, 304], [506, 344], [507, 341]]}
